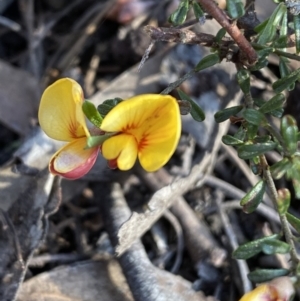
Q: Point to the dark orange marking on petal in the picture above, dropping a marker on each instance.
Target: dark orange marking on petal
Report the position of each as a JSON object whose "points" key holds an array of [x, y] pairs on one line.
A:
{"points": [[143, 143]]}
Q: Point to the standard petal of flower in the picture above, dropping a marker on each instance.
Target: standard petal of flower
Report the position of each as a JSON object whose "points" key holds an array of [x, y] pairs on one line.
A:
{"points": [[73, 160], [122, 147], [133, 112], [160, 138], [60, 113]]}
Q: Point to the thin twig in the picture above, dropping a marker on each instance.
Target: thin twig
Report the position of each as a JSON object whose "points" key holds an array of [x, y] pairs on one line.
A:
{"points": [[185, 36], [12, 25], [220, 16], [27, 9], [180, 241], [283, 219], [243, 267]]}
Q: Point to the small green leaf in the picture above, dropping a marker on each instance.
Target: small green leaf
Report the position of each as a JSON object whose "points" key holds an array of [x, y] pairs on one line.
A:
{"points": [[208, 61], [107, 105], [227, 113], [278, 112], [91, 113], [269, 31], [262, 139], [279, 169], [235, 8], [262, 58], [240, 134], [196, 111], [296, 185], [289, 131], [283, 200], [294, 174], [253, 116], [281, 42], [297, 32], [230, 140], [254, 197], [93, 141], [274, 103], [243, 78], [275, 247], [220, 35], [255, 167], [251, 150], [260, 27], [263, 275], [283, 68], [258, 101], [294, 221], [198, 12], [261, 63], [247, 251], [284, 71], [286, 82], [179, 15], [251, 131], [251, 248]]}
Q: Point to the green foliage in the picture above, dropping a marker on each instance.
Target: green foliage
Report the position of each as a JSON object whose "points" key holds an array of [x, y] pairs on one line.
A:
{"points": [[179, 15], [256, 134], [252, 248], [253, 116], [254, 197], [235, 8], [283, 200], [297, 32], [249, 151], [91, 113], [243, 78], [273, 104], [289, 131], [279, 169], [220, 35], [225, 114], [275, 247], [107, 105], [286, 82], [284, 71], [230, 140], [294, 221], [208, 61], [196, 111], [267, 32], [198, 12], [263, 275]]}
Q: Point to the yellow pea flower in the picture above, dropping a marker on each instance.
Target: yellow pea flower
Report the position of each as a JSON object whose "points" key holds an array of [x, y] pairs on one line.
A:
{"points": [[61, 117], [148, 127], [279, 289]]}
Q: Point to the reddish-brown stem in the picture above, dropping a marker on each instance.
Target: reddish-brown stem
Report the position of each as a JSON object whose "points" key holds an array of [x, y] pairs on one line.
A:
{"points": [[218, 14]]}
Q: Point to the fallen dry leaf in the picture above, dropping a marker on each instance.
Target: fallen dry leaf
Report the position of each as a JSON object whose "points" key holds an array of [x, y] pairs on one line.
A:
{"points": [[86, 281], [19, 98]]}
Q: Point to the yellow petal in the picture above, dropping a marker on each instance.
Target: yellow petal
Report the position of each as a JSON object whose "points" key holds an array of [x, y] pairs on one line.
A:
{"points": [[60, 113], [261, 293], [73, 160], [154, 120], [121, 147]]}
